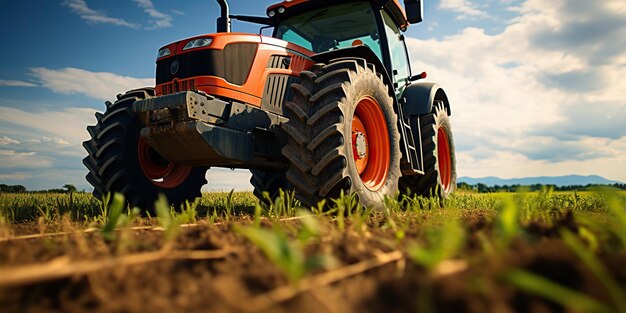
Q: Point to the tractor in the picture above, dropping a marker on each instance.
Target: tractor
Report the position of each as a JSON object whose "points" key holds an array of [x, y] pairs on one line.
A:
{"points": [[328, 104]]}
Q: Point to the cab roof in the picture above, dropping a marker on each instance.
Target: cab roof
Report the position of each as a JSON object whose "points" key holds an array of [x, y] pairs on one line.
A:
{"points": [[294, 7]]}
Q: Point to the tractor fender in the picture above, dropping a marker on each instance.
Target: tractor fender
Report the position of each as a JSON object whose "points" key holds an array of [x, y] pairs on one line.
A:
{"points": [[357, 53], [418, 98]]}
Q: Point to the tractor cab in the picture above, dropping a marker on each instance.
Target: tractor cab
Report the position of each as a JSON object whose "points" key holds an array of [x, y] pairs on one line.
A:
{"points": [[327, 29], [323, 26]]}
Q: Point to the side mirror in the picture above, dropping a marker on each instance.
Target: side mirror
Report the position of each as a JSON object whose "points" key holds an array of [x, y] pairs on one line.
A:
{"points": [[414, 10]]}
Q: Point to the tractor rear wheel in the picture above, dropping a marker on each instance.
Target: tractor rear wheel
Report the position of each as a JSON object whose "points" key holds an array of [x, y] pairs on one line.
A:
{"points": [[439, 177], [268, 181], [121, 161], [343, 135]]}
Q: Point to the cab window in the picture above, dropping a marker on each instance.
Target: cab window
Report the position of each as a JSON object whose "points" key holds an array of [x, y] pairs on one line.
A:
{"points": [[333, 28], [397, 51]]}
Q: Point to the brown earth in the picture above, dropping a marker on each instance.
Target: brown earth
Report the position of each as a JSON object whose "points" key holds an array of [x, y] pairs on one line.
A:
{"points": [[230, 274]]}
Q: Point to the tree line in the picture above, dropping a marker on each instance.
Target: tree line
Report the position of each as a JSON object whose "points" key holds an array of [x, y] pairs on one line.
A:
{"points": [[482, 188], [67, 188]]}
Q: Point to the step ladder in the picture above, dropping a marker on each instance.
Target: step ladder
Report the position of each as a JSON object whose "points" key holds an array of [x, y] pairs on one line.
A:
{"points": [[412, 162]]}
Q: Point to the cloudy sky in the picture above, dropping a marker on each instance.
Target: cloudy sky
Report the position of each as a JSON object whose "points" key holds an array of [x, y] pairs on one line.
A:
{"points": [[536, 86]]}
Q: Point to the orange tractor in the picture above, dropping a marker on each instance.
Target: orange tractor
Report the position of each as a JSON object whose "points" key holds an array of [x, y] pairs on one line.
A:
{"points": [[327, 104]]}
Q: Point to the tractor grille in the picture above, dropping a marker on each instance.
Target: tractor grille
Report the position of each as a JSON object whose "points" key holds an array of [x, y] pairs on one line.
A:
{"points": [[177, 86], [277, 91], [279, 62], [233, 63]]}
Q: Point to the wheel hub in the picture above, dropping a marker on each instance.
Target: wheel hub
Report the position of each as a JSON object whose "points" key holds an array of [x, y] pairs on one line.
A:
{"points": [[360, 145]]}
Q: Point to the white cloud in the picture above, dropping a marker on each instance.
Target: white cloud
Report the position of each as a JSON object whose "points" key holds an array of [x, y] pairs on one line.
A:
{"points": [[16, 83], [508, 164], [11, 159], [466, 8], [159, 19], [50, 146], [15, 153], [544, 96], [45, 139], [66, 128], [4, 140], [99, 85], [96, 17], [14, 176], [56, 140]]}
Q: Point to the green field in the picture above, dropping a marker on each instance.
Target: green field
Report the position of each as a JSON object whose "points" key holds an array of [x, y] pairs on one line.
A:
{"points": [[508, 252]]}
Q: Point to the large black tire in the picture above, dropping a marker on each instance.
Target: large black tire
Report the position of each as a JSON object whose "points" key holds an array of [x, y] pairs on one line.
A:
{"points": [[437, 180], [113, 159], [269, 181], [320, 144]]}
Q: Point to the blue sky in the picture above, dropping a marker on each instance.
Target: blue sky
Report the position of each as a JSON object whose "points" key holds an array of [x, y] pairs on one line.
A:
{"points": [[536, 87]]}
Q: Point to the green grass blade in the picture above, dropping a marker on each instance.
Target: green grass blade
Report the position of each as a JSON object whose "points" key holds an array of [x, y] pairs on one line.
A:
{"points": [[165, 218], [618, 295], [442, 244], [278, 249], [507, 222], [540, 286], [617, 207], [114, 208], [309, 227]]}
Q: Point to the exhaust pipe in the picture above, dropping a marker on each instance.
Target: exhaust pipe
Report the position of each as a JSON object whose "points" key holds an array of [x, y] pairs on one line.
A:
{"points": [[223, 22]]}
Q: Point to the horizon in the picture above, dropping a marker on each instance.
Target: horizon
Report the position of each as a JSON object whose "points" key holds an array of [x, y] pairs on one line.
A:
{"points": [[535, 87], [527, 177], [561, 181], [461, 180]]}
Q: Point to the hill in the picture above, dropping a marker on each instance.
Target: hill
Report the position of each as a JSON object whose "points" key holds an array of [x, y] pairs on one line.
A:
{"points": [[569, 180]]}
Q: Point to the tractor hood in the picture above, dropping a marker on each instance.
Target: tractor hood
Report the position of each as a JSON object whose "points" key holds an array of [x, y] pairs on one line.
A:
{"points": [[226, 55]]}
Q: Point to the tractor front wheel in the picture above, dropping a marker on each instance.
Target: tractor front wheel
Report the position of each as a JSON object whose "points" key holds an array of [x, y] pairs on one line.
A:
{"points": [[343, 135], [121, 161]]}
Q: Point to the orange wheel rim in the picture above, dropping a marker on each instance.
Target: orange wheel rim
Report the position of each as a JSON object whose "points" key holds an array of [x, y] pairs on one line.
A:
{"points": [[444, 159], [160, 172], [370, 143]]}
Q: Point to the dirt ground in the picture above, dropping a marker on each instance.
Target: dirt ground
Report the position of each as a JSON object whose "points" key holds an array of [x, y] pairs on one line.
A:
{"points": [[213, 268]]}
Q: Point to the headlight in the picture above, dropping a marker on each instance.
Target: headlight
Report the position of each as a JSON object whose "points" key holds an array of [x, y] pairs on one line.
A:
{"points": [[198, 43], [163, 53]]}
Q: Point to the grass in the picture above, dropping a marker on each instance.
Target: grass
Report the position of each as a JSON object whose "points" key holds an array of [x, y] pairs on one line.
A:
{"points": [[467, 230]]}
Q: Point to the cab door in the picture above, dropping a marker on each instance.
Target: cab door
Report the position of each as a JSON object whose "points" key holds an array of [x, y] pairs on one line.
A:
{"points": [[400, 69]]}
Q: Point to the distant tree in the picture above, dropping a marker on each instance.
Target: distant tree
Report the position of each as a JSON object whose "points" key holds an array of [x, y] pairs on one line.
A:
{"points": [[620, 186], [482, 188], [12, 188], [464, 186], [70, 188]]}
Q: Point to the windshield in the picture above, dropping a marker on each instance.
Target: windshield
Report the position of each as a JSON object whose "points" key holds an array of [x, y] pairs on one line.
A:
{"points": [[333, 28]]}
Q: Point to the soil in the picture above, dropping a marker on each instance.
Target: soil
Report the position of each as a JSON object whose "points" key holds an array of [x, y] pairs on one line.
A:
{"points": [[245, 280]]}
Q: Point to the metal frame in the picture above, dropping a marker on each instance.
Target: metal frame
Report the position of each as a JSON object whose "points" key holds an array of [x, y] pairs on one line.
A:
{"points": [[199, 129]]}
